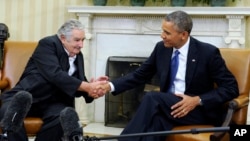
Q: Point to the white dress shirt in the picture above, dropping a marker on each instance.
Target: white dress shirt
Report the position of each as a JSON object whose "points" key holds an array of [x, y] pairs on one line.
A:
{"points": [[179, 82], [72, 66]]}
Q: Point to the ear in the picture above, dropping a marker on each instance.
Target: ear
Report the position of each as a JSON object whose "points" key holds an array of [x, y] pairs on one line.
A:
{"points": [[63, 38], [185, 35]]}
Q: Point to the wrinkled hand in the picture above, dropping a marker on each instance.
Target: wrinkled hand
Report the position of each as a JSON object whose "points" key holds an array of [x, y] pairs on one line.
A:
{"points": [[97, 88], [102, 89], [183, 107]]}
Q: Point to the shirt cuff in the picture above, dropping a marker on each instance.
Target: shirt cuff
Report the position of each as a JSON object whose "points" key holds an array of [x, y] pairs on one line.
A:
{"points": [[112, 88]]}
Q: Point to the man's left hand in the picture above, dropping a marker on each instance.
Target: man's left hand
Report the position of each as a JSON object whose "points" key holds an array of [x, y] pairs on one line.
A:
{"points": [[183, 107]]}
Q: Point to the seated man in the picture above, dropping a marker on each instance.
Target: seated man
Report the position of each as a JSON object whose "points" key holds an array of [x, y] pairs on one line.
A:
{"points": [[54, 76], [187, 69]]}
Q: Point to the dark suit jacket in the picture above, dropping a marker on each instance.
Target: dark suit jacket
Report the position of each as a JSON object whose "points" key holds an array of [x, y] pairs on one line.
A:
{"points": [[205, 67], [46, 74]]}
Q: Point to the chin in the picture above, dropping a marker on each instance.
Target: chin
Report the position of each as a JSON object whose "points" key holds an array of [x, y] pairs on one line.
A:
{"points": [[77, 52], [167, 46]]}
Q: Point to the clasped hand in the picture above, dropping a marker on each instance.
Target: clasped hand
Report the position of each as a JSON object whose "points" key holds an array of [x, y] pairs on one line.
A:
{"points": [[99, 87]]}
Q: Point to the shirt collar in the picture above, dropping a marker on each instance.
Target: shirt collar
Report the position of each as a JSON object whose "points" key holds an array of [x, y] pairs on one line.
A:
{"points": [[184, 49]]}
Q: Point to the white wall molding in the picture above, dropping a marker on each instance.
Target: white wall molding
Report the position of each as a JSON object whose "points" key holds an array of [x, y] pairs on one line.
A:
{"points": [[134, 10]]}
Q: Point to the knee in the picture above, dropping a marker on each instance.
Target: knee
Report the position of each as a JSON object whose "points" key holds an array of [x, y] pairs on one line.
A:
{"points": [[151, 96]]}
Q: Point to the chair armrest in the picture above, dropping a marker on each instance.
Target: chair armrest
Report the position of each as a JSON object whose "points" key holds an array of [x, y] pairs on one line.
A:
{"points": [[233, 105], [240, 101], [4, 84]]}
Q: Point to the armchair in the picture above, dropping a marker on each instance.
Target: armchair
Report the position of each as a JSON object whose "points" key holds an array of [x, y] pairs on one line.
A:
{"points": [[238, 62], [16, 55]]}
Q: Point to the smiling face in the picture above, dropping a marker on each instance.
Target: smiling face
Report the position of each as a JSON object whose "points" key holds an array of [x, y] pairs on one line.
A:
{"points": [[73, 42], [171, 36]]}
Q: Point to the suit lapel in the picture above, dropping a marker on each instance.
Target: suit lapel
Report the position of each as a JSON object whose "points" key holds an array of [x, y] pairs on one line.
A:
{"points": [[192, 61], [166, 67], [63, 56], [80, 67]]}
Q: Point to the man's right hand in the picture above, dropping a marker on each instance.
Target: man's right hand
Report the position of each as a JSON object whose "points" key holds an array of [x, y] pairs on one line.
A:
{"points": [[95, 89]]}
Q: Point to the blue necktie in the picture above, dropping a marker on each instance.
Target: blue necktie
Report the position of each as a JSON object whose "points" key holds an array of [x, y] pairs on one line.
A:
{"points": [[173, 70]]}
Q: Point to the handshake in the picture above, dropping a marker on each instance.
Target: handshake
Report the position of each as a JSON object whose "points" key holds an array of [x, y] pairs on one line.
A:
{"points": [[96, 87]]}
